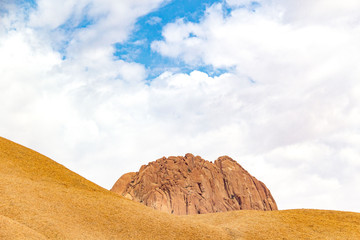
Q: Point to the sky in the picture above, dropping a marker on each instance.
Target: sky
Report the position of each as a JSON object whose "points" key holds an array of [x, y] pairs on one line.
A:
{"points": [[105, 86]]}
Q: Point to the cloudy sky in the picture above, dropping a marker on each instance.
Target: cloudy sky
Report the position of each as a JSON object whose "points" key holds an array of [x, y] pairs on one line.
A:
{"points": [[104, 86]]}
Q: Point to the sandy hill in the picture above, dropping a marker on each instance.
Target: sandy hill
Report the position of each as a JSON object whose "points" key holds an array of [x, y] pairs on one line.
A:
{"points": [[41, 199], [286, 224]]}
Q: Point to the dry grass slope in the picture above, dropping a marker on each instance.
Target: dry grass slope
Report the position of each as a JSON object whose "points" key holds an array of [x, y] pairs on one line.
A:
{"points": [[41, 199], [10, 229], [288, 224]]}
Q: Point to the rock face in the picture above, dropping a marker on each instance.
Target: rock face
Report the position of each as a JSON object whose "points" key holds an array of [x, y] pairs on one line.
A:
{"points": [[192, 185]]}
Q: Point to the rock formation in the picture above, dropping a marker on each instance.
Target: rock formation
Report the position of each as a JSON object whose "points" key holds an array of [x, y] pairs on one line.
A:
{"points": [[192, 185]]}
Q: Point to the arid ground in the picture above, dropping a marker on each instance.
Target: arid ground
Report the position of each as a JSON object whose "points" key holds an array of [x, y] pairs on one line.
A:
{"points": [[41, 199]]}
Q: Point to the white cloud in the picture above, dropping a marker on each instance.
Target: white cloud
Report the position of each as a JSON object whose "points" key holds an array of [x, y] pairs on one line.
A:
{"points": [[99, 117], [107, 22], [321, 11], [52, 14], [328, 12], [303, 59], [236, 3], [154, 20], [71, 109]]}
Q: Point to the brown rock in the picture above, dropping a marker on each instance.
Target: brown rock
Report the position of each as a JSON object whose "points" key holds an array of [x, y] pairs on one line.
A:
{"points": [[192, 185]]}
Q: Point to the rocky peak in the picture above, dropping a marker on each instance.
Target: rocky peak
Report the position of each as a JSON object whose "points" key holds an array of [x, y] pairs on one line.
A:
{"points": [[192, 185]]}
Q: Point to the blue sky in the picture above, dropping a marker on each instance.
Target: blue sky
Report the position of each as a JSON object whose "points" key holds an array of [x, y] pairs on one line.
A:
{"points": [[149, 28], [117, 84]]}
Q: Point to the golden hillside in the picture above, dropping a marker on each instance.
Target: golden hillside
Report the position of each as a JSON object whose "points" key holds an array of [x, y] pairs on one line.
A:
{"points": [[41, 199], [286, 224]]}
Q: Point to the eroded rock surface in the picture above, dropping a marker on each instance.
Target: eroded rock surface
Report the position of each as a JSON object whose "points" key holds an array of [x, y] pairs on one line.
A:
{"points": [[192, 185]]}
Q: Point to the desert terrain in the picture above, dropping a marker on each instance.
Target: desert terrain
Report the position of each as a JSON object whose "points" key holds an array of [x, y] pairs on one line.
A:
{"points": [[41, 199]]}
